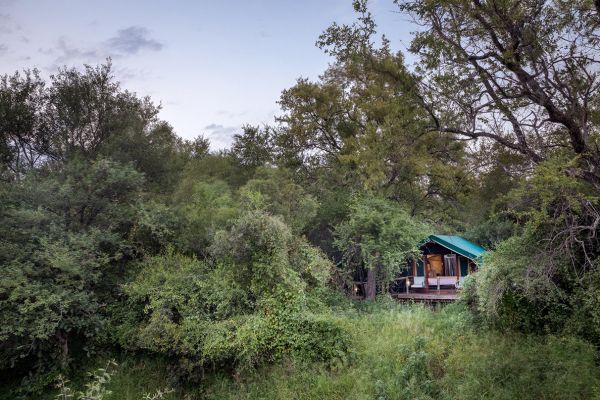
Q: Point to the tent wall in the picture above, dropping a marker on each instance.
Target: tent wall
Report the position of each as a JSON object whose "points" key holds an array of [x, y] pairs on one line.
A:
{"points": [[464, 266], [420, 269]]}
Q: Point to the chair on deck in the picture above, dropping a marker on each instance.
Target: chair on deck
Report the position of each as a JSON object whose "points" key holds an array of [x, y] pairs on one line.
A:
{"points": [[447, 280], [440, 281], [418, 282]]}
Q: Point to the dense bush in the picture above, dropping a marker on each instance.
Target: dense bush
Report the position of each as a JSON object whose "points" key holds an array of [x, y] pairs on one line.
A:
{"points": [[202, 208], [378, 235], [544, 279], [61, 240], [398, 352], [272, 190], [255, 300]]}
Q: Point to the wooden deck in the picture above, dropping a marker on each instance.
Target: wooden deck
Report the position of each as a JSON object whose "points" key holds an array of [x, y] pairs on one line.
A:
{"points": [[433, 296]]}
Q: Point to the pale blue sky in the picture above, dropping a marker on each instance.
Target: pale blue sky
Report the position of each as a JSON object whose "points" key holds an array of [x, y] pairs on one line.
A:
{"points": [[214, 65]]}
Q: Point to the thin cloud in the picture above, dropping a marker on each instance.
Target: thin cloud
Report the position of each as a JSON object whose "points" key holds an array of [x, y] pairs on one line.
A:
{"points": [[65, 52], [220, 136], [8, 25], [232, 114], [213, 126], [5, 20], [132, 40], [126, 42]]}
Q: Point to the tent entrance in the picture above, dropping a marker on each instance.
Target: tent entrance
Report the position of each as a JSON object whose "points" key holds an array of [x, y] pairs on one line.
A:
{"points": [[450, 267]]}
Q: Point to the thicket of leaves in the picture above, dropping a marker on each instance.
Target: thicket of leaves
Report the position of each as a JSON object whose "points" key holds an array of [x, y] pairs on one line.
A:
{"points": [[379, 235], [256, 299], [63, 237], [544, 277]]}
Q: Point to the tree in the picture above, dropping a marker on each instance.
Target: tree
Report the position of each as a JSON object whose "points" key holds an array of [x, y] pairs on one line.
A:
{"points": [[380, 236], [524, 75], [154, 150], [272, 190], [253, 148], [85, 109], [76, 114], [203, 207], [543, 277], [254, 301], [22, 142], [521, 73], [61, 234], [199, 147], [222, 166], [364, 117]]}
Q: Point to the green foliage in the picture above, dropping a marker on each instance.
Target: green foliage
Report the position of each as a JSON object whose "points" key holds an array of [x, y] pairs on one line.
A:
{"points": [[253, 148], [491, 231], [270, 190], [154, 150], [154, 228], [541, 278], [255, 301], [203, 207], [379, 234], [364, 117], [398, 352], [96, 388], [21, 95], [417, 353], [78, 113], [102, 193], [60, 236], [117, 234], [470, 58], [222, 167], [85, 114], [517, 367]]}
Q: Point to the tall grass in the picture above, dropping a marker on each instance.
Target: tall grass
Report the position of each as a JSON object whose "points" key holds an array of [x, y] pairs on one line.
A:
{"points": [[401, 352], [416, 353]]}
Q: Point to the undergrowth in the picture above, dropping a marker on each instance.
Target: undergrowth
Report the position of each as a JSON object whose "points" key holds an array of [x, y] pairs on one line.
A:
{"points": [[398, 352]]}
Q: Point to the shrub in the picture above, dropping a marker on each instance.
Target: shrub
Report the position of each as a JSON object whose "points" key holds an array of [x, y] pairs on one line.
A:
{"points": [[542, 279], [255, 301], [61, 236]]}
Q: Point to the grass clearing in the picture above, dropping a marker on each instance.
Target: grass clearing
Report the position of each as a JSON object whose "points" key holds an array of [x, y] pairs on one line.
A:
{"points": [[399, 352]]}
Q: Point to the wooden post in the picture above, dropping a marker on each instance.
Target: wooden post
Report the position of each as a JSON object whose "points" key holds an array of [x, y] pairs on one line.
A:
{"points": [[371, 287], [426, 270], [457, 266]]}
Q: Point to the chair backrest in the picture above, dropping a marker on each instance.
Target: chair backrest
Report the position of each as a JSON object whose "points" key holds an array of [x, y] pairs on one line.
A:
{"points": [[418, 281], [448, 280]]}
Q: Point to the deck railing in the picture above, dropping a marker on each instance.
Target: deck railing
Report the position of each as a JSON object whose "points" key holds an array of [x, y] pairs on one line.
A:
{"points": [[437, 281]]}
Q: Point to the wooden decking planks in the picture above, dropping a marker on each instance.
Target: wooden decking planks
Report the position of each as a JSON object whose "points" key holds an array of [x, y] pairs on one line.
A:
{"points": [[433, 296]]}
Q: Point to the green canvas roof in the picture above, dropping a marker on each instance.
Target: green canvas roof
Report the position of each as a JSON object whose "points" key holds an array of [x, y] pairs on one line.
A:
{"points": [[459, 245]]}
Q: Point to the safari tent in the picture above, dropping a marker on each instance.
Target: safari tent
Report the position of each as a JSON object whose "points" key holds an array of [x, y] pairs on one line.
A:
{"points": [[441, 268], [445, 261]]}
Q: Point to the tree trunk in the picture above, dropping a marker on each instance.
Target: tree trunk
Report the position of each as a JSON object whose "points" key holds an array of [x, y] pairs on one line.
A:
{"points": [[371, 286], [64, 345]]}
